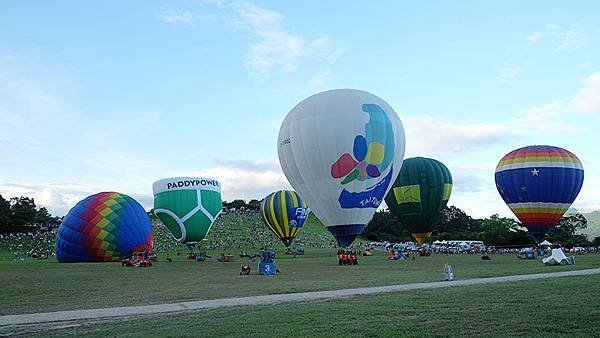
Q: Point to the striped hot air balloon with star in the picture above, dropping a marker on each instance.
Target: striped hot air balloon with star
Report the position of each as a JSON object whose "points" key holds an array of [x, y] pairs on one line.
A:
{"points": [[284, 213], [539, 183]]}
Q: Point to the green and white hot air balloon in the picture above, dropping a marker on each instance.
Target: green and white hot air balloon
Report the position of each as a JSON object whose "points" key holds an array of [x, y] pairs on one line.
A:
{"points": [[187, 206]]}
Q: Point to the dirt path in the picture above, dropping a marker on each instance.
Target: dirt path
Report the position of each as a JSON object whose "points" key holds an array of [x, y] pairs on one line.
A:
{"points": [[93, 315]]}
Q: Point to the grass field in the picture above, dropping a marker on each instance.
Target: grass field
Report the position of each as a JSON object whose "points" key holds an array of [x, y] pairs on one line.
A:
{"points": [[34, 286], [523, 308], [556, 307]]}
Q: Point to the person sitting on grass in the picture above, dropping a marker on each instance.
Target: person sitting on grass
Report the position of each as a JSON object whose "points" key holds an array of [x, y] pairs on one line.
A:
{"points": [[400, 255], [245, 269], [340, 257], [345, 257], [353, 258], [392, 255]]}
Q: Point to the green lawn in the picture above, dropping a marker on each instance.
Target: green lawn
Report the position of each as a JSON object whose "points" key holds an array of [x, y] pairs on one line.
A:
{"points": [[565, 306], [33, 286]]}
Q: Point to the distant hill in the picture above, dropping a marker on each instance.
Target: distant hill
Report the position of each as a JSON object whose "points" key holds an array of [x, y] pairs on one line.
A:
{"points": [[593, 225], [246, 230]]}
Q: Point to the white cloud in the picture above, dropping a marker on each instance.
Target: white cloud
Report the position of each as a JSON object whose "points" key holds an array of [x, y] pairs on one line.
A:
{"points": [[434, 137], [246, 179], [170, 15], [545, 119], [534, 37], [588, 199], [508, 73], [58, 198], [584, 65], [25, 104], [566, 38], [41, 143], [470, 179], [587, 100], [276, 47], [319, 80], [431, 137], [571, 39]]}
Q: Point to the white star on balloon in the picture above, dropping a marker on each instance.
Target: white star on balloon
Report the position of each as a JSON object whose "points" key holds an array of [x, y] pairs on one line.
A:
{"points": [[535, 172]]}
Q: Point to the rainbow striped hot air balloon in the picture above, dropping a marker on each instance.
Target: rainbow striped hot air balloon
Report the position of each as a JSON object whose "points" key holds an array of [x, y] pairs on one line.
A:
{"points": [[539, 183], [103, 227], [284, 213]]}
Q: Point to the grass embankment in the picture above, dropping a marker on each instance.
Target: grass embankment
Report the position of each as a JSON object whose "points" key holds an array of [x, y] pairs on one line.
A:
{"points": [[565, 306]]}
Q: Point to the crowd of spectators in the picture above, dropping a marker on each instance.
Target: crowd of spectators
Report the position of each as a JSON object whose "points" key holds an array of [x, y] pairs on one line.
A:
{"points": [[427, 249], [239, 230], [245, 230], [34, 244]]}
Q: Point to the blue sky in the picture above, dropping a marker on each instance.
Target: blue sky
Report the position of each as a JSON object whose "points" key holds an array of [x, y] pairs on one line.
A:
{"points": [[113, 96]]}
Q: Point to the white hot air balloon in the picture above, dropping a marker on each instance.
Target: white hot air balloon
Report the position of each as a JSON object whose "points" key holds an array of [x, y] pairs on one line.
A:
{"points": [[341, 150]]}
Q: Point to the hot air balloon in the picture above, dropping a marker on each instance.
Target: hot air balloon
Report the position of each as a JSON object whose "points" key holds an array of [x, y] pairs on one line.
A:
{"points": [[284, 213], [420, 192], [187, 206], [107, 226], [341, 150], [539, 183]]}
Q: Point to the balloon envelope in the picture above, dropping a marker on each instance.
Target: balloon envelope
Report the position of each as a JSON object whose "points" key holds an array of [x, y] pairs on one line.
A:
{"points": [[284, 213], [103, 227], [341, 150], [420, 192], [539, 183], [187, 206]]}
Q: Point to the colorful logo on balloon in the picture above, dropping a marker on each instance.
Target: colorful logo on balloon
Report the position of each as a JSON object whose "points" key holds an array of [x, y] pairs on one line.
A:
{"points": [[372, 154]]}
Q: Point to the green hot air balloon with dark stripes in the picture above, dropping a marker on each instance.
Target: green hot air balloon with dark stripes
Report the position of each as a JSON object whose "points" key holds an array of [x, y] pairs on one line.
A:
{"points": [[284, 213], [420, 192], [187, 206]]}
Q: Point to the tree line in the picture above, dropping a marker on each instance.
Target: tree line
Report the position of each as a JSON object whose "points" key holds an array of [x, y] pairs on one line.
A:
{"points": [[238, 204], [20, 214], [455, 224]]}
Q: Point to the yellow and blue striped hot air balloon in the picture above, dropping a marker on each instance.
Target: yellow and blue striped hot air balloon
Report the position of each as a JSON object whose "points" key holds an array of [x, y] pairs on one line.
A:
{"points": [[284, 213]]}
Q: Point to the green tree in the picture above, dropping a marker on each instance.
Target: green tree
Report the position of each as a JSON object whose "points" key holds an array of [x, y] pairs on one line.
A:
{"points": [[237, 204], [503, 231], [5, 215], [43, 217], [596, 241], [23, 212], [566, 231], [254, 204], [385, 227], [455, 224]]}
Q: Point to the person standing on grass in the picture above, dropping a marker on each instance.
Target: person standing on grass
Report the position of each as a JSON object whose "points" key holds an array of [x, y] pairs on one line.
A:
{"points": [[448, 272]]}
